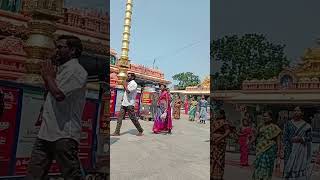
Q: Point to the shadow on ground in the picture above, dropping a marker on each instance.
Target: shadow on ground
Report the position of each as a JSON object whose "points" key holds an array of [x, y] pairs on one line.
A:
{"points": [[132, 132], [113, 140]]}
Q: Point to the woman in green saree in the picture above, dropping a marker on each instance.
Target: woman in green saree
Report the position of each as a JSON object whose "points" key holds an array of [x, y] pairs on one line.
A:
{"points": [[193, 109], [268, 143]]}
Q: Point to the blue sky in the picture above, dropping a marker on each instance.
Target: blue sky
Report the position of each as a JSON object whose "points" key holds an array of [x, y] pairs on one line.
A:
{"points": [[176, 33]]}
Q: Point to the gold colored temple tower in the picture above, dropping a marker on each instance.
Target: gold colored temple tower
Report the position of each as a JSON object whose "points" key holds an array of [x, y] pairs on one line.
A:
{"points": [[39, 44], [124, 62], [310, 66]]}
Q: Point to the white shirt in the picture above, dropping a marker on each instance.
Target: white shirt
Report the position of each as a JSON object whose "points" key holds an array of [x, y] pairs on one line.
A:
{"points": [[63, 119], [130, 98]]}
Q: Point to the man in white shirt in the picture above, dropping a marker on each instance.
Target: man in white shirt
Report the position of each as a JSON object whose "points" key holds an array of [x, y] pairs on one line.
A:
{"points": [[128, 102], [60, 130]]}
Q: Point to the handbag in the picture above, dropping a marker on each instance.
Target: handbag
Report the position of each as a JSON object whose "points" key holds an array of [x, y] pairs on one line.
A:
{"points": [[163, 116]]}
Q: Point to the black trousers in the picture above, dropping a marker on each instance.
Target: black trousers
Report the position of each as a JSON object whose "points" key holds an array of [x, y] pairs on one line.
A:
{"points": [[64, 151], [134, 119]]}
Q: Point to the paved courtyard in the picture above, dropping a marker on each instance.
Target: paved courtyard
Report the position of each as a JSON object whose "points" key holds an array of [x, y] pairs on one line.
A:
{"points": [[183, 155], [234, 171]]}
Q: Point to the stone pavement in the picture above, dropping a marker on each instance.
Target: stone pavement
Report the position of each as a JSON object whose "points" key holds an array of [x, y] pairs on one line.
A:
{"points": [[234, 171], [183, 155]]}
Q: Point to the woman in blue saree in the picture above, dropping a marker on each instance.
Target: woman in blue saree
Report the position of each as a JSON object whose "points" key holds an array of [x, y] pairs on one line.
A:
{"points": [[203, 104], [297, 148]]}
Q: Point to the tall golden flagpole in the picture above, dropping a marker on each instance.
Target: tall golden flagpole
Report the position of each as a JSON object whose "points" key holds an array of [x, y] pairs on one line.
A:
{"points": [[124, 62], [40, 41]]}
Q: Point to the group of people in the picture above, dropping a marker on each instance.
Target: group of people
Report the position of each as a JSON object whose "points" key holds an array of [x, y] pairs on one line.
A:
{"points": [[163, 111], [296, 138], [191, 108], [162, 119], [198, 107]]}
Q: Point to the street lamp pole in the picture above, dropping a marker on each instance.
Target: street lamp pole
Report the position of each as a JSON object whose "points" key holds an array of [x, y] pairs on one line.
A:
{"points": [[124, 62]]}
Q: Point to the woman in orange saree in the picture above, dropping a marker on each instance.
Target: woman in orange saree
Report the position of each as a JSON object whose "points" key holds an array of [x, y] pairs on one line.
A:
{"points": [[177, 107]]}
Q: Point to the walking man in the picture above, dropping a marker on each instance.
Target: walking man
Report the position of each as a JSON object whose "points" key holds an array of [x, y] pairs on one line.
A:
{"points": [[128, 102], [59, 134]]}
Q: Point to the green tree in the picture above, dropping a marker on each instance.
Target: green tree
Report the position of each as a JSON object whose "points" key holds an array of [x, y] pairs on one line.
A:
{"points": [[186, 79], [247, 57]]}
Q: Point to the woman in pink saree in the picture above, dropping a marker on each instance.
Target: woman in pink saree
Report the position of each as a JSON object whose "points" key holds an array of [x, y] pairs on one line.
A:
{"points": [[245, 136], [162, 120], [186, 105]]}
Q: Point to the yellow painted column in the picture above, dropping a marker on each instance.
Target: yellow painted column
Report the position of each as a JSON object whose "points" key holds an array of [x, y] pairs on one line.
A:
{"points": [[40, 42], [124, 62]]}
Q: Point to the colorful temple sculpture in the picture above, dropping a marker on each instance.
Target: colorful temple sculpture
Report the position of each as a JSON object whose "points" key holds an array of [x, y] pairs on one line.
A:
{"points": [[20, 57]]}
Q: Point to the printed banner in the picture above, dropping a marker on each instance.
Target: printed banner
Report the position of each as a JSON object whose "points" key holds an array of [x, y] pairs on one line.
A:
{"points": [[86, 143], [146, 98], [120, 93], [137, 103], [112, 101], [29, 126], [8, 128]]}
